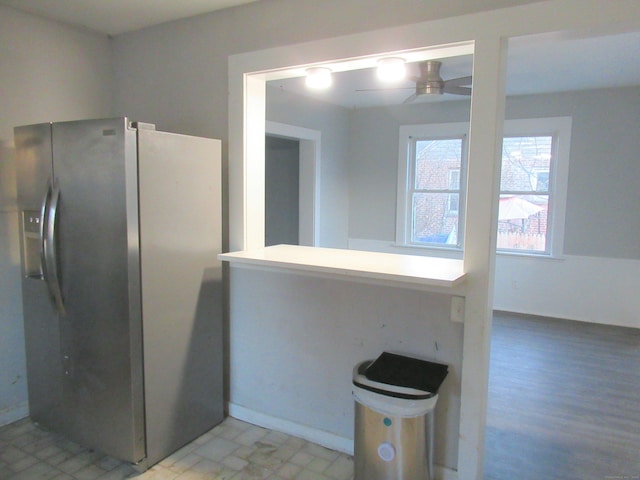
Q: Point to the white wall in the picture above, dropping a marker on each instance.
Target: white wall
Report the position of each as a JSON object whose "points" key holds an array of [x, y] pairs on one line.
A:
{"points": [[591, 289], [48, 72]]}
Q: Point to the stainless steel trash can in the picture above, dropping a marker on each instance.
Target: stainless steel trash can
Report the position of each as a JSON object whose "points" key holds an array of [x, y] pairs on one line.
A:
{"points": [[395, 397]]}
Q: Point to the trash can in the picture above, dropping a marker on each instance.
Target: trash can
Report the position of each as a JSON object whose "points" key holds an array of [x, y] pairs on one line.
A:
{"points": [[395, 396]]}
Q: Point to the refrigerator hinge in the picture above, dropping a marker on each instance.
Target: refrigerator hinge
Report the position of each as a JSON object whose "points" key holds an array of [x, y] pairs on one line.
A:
{"points": [[142, 126]]}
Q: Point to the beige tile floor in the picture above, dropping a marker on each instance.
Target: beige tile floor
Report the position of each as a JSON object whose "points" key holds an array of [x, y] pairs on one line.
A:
{"points": [[233, 450]]}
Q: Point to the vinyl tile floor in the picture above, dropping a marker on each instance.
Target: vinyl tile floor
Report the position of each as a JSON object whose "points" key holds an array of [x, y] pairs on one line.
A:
{"points": [[233, 450]]}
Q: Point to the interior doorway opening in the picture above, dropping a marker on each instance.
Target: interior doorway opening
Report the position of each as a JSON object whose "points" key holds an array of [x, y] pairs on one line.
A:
{"points": [[282, 186], [308, 175]]}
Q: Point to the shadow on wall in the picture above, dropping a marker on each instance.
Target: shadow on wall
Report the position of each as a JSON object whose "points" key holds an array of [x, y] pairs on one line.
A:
{"points": [[13, 381], [8, 191]]}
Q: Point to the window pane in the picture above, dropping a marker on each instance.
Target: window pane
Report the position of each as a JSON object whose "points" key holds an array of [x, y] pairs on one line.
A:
{"points": [[434, 160], [433, 222], [526, 164], [522, 222]]}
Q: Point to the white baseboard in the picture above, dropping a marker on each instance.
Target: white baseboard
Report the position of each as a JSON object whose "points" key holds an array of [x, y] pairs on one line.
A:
{"points": [[326, 439], [443, 473], [14, 413]]}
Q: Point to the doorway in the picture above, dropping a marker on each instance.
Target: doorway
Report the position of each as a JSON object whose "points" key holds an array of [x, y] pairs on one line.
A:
{"points": [[308, 178], [282, 186]]}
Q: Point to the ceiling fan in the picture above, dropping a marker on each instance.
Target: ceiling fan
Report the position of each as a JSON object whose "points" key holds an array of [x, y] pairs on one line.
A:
{"points": [[431, 83]]}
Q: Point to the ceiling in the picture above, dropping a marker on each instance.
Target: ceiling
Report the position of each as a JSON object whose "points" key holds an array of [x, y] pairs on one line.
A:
{"points": [[113, 17], [536, 64]]}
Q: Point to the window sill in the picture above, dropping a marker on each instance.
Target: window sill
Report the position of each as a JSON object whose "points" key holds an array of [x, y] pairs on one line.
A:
{"points": [[430, 250], [530, 256], [421, 273]]}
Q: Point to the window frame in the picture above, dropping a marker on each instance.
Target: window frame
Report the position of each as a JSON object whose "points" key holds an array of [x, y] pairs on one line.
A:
{"points": [[458, 171], [558, 127], [409, 134]]}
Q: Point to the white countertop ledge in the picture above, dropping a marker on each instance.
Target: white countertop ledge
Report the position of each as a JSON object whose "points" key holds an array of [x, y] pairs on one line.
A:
{"points": [[415, 271]]}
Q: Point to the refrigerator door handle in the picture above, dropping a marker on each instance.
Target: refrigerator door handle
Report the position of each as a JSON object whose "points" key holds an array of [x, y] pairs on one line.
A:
{"points": [[44, 209], [50, 249]]}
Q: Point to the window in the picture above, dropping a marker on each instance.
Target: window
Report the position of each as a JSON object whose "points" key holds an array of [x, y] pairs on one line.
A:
{"points": [[523, 209], [533, 186], [431, 188], [431, 185]]}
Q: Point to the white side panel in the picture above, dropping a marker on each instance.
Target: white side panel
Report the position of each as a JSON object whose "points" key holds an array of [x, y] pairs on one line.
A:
{"points": [[180, 238]]}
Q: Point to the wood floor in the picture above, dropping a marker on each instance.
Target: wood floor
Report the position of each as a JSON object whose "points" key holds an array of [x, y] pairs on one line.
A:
{"points": [[564, 401]]}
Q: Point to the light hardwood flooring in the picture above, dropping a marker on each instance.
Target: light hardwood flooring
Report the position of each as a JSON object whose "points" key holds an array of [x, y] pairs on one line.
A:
{"points": [[564, 401]]}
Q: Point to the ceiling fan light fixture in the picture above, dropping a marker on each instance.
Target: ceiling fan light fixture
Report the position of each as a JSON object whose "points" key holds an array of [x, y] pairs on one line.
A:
{"points": [[318, 78], [391, 69]]}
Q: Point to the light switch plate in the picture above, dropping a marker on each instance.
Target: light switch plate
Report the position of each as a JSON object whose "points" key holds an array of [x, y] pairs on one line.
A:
{"points": [[457, 309]]}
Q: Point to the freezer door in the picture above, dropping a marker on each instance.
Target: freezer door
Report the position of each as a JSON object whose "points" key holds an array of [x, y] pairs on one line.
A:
{"points": [[96, 231], [42, 338]]}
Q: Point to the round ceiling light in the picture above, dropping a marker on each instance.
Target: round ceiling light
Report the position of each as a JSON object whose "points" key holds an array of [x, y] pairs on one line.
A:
{"points": [[318, 78], [391, 69]]}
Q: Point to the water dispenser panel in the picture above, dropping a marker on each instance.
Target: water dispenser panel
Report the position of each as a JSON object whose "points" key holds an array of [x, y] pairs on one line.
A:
{"points": [[31, 266]]}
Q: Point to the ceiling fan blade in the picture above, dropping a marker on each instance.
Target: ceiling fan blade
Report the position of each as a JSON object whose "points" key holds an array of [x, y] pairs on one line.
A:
{"points": [[383, 89], [457, 90], [459, 82], [411, 99]]}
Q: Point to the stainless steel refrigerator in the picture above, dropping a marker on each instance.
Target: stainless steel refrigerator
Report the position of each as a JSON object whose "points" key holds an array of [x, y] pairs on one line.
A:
{"points": [[120, 232]]}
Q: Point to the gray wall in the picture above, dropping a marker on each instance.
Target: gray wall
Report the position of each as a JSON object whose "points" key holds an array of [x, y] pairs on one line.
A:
{"points": [[602, 219], [603, 197], [373, 166], [333, 124], [293, 360], [48, 72], [175, 75], [282, 186]]}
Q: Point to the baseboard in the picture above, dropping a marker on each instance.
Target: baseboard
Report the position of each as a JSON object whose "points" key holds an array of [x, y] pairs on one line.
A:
{"points": [[14, 413], [443, 473], [326, 439]]}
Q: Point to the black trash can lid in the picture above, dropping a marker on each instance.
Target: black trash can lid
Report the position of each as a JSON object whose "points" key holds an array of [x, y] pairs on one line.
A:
{"points": [[392, 370]]}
